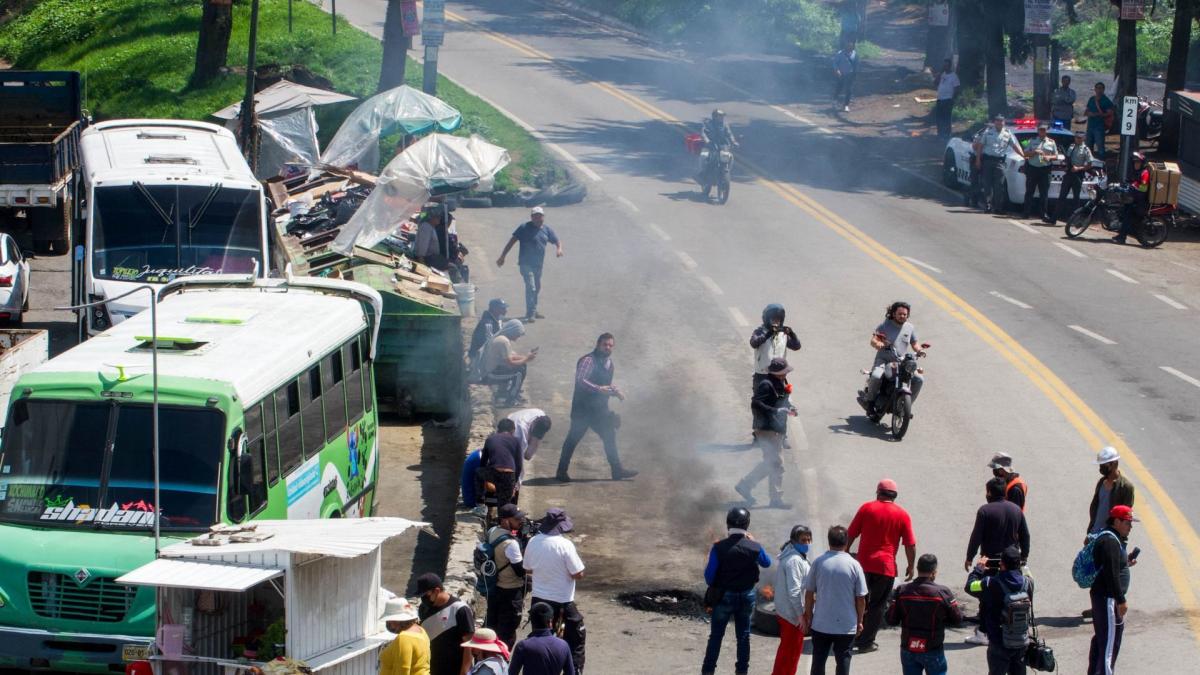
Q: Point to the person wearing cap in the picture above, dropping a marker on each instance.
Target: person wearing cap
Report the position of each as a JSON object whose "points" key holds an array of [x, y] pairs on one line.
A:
{"points": [[790, 572], [1015, 488], [999, 525], [408, 654], [991, 146], [502, 366], [589, 409], [555, 565], [534, 235], [506, 599], [773, 339], [489, 655], [1135, 210], [1040, 152], [991, 590], [542, 653], [1079, 162], [448, 622], [923, 609], [1099, 111], [731, 574], [883, 525], [835, 599], [770, 408], [489, 325], [1109, 589], [1062, 104]]}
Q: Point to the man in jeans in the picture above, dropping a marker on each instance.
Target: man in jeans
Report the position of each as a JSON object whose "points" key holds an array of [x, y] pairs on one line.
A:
{"points": [[534, 235], [732, 571], [883, 525], [922, 609], [835, 598], [555, 565]]}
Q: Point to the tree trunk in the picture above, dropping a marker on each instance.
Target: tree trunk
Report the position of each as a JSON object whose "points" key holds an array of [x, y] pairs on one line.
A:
{"points": [[997, 82], [970, 25], [216, 24], [1125, 68], [395, 48], [1181, 37]]}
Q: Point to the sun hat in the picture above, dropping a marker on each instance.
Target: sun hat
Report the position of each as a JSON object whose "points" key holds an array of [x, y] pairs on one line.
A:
{"points": [[399, 609], [779, 365], [556, 521], [1000, 460], [484, 640]]}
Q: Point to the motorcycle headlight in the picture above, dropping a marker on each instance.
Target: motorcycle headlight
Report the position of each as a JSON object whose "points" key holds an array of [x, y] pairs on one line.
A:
{"points": [[910, 366]]}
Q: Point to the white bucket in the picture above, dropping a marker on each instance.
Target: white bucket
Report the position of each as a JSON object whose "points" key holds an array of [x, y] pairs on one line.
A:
{"points": [[466, 298]]}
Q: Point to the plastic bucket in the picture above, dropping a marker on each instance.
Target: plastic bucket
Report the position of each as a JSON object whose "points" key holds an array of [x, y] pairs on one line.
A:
{"points": [[466, 298]]}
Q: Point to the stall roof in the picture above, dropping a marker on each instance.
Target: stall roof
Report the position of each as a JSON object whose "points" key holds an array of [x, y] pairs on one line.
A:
{"points": [[284, 95], [210, 576], [337, 537]]}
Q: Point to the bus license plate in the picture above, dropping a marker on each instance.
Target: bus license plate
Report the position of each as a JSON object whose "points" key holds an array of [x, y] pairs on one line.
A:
{"points": [[134, 652]]}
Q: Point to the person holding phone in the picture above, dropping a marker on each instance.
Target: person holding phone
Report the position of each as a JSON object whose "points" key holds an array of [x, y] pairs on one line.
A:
{"points": [[1109, 589]]}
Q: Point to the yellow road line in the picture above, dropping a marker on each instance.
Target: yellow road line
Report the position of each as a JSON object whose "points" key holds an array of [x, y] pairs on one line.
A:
{"points": [[1094, 431]]}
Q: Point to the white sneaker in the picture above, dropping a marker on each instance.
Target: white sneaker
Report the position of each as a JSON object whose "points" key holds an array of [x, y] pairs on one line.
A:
{"points": [[845, 108], [979, 638]]}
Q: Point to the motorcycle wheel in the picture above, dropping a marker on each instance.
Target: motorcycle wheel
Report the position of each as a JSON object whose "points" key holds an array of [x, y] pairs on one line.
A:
{"points": [[1152, 233], [1078, 222], [723, 190], [901, 414]]}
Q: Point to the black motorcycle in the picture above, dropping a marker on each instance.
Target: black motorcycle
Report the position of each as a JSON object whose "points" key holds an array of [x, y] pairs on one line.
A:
{"points": [[716, 163], [895, 394], [1105, 207]]}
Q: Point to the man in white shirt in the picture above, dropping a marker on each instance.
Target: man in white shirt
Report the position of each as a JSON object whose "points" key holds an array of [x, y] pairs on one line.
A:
{"points": [[555, 566], [947, 85], [532, 426]]}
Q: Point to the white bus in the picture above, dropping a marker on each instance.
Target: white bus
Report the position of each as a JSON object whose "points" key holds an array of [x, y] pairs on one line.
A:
{"points": [[165, 199]]}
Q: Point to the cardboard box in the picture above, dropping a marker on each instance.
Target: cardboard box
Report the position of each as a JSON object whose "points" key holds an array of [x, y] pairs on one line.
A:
{"points": [[1164, 183]]}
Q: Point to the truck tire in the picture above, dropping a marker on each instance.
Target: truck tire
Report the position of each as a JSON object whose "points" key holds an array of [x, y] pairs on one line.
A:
{"points": [[61, 243]]}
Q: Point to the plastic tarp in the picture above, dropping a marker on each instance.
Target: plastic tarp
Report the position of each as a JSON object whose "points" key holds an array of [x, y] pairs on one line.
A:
{"points": [[284, 95], [285, 137], [356, 142], [436, 164]]}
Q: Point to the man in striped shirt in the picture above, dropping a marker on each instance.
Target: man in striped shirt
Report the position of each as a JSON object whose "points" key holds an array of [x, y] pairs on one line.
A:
{"points": [[589, 408]]}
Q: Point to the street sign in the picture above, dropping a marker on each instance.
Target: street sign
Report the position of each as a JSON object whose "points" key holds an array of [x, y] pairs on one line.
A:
{"points": [[1133, 10], [1037, 16], [408, 18], [1129, 106], [433, 24], [939, 14]]}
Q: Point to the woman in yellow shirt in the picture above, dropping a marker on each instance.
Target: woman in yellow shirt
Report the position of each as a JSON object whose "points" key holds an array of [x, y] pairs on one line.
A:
{"points": [[408, 654]]}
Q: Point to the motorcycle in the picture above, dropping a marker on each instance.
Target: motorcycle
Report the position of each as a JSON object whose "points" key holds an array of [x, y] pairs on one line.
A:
{"points": [[1150, 119], [716, 167], [895, 394], [1105, 208]]}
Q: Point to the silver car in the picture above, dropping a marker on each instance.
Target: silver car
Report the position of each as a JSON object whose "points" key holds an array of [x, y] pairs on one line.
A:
{"points": [[14, 281]]}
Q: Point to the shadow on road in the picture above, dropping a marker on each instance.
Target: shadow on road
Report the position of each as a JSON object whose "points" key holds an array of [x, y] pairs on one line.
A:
{"points": [[860, 425]]}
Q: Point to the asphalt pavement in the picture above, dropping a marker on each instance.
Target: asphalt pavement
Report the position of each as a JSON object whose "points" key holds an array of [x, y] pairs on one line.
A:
{"points": [[1042, 347]]}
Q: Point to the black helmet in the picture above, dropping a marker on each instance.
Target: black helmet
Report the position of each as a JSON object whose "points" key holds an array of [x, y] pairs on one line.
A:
{"points": [[891, 310], [773, 311], [738, 517]]}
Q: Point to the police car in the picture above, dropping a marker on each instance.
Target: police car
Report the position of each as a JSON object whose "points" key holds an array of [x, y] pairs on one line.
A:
{"points": [[956, 165]]}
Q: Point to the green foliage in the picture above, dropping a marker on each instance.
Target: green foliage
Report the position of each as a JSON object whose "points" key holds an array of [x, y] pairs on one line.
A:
{"points": [[1094, 43]]}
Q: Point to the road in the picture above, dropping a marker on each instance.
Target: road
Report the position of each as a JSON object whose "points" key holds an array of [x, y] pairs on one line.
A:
{"points": [[1043, 348]]}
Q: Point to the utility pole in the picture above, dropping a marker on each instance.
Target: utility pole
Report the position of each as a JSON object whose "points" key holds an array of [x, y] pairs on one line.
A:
{"points": [[433, 32], [1038, 15], [249, 146]]}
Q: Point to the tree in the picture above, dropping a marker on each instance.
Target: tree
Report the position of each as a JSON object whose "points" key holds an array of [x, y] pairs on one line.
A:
{"points": [[395, 47], [1125, 68], [1181, 37], [970, 25], [216, 24]]}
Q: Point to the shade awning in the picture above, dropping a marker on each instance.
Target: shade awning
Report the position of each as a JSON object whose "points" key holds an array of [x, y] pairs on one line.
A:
{"points": [[282, 96], [175, 573]]}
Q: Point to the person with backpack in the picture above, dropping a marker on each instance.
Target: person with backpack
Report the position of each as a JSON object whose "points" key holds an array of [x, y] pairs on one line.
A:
{"points": [[499, 569], [1108, 589], [923, 609], [999, 524], [1006, 612]]}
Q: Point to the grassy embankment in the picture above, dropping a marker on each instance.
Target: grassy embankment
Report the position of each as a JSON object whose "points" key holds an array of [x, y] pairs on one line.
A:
{"points": [[137, 57]]}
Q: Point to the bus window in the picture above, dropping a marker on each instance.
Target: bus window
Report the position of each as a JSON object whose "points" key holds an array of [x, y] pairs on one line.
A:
{"points": [[310, 411], [252, 419], [287, 403], [364, 348], [334, 387], [270, 441], [354, 388]]}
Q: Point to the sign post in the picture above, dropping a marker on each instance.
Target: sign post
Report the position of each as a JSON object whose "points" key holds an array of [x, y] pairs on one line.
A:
{"points": [[433, 33], [1038, 15], [1129, 106]]}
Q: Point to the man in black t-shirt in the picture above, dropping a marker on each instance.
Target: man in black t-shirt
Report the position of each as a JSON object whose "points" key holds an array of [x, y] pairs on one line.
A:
{"points": [[448, 622]]}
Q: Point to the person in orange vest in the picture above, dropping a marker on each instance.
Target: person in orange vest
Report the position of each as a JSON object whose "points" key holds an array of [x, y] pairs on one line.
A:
{"points": [[1015, 487]]}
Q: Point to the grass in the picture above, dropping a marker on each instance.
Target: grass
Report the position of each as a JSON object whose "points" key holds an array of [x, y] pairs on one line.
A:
{"points": [[1094, 43], [137, 56]]}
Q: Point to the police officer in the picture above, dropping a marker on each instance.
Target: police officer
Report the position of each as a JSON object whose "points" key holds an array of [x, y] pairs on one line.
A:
{"points": [[731, 574], [1039, 152], [1079, 161], [991, 146]]}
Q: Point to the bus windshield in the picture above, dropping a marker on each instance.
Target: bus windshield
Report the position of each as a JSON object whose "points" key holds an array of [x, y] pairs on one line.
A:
{"points": [[155, 233], [90, 464]]}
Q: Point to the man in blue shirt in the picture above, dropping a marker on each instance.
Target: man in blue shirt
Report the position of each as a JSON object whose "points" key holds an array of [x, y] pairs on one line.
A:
{"points": [[1099, 111], [541, 653], [731, 574], [534, 236]]}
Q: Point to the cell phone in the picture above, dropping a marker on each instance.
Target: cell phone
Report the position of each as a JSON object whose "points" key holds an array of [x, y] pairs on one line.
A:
{"points": [[1135, 553]]}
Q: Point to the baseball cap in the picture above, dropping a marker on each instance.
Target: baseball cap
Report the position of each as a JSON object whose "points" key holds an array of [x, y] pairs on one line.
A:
{"points": [[887, 485], [1000, 460], [509, 511], [427, 582], [537, 210], [1107, 454], [1122, 512]]}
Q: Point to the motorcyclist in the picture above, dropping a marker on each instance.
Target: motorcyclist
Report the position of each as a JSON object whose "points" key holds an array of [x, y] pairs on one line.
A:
{"points": [[1133, 212], [891, 340], [716, 131]]}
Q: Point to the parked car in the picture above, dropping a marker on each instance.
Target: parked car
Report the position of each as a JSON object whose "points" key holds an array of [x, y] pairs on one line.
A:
{"points": [[14, 281], [956, 164]]}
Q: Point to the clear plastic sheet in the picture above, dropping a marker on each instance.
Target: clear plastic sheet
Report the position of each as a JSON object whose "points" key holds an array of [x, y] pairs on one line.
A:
{"points": [[356, 142]]}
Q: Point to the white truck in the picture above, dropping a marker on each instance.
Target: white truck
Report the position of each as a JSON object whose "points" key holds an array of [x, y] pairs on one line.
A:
{"points": [[20, 350]]}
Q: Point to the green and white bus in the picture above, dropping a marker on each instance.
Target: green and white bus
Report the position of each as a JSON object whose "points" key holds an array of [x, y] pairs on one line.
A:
{"points": [[267, 411]]}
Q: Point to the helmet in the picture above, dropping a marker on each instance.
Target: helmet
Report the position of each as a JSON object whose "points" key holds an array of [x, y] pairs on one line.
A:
{"points": [[717, 112], [1138, 157], [737, 517], [891, 310], [773, 311]]}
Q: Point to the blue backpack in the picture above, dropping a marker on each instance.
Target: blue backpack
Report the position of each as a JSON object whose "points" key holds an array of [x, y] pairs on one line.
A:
{"points": [[486, 570], [1084, 570]]}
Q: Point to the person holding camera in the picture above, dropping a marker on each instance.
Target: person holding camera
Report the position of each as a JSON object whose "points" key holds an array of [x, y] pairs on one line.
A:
{"points": [[506, 600], [771, 340]]}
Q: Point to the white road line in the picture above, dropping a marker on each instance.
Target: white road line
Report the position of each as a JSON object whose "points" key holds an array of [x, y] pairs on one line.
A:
{"points": [[561, 152], [1028, 228], [789, 113], [662, 234], [926, 265], [630, 205], [1171, 301], [1123, 277], [711, 285], [738, 317], [1095, 336], [1183, 376], [687, 260], [825, 130], [1186, 266], [1011, 301], [1070, 250]]}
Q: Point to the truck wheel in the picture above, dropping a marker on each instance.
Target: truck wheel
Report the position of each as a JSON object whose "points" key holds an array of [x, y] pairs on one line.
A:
{"points": [[62, 231]]}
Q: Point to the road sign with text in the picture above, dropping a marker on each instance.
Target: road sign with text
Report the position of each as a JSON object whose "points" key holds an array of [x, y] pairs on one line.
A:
{"points": [[1129, 106]]}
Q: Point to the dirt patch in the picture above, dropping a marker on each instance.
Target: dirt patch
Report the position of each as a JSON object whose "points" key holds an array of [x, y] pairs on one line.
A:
{"points": [[669, 601]]}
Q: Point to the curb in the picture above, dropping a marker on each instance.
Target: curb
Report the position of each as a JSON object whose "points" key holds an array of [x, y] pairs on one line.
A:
{"points": [[459, 579]]}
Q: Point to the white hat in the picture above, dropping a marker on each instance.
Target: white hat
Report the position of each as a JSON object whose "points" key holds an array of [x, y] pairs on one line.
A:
{"points": [[1107, 454], [399, 609], [537, 210]]}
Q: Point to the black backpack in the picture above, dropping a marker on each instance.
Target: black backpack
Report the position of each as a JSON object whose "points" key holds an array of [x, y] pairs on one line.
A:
{"points": [[1016, 617]]}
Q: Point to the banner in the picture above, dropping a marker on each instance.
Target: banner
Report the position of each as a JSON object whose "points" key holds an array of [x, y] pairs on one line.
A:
{"points": [[939, 14], [409, 19], [434, 24], [1037, 16]]}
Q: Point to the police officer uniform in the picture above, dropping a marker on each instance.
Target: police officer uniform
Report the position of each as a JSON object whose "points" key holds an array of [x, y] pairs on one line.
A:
{"points": [[1037, 173], [995, 145]]}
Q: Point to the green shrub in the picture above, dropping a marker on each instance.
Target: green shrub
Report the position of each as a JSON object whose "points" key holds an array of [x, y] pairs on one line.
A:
{"points": [[1094, 43]]}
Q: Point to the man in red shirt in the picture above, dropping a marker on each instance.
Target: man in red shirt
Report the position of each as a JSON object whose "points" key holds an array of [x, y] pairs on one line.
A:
{"points": [[882, 524]]}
